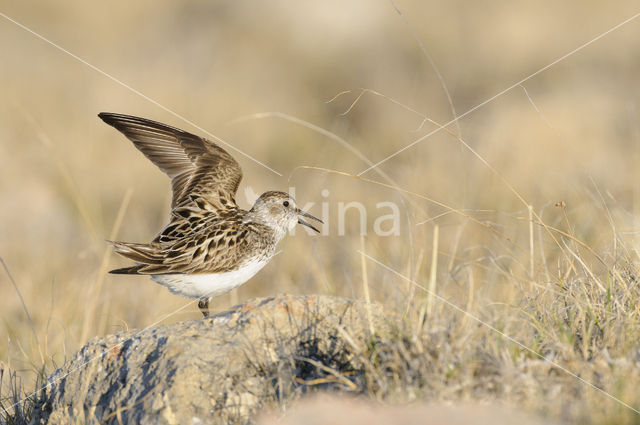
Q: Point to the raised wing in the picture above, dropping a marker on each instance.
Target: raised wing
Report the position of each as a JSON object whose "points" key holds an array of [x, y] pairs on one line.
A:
{"points": [[198, 168]]}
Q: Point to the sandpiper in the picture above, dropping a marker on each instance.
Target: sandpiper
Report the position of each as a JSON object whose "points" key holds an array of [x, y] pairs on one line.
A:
{"points": [[210, 245]]}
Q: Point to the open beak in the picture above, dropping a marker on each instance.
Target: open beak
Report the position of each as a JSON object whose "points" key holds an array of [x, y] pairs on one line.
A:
{"points": [[304, 223]]}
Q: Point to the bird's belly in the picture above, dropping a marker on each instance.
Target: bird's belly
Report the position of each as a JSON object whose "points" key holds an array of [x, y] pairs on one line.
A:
{"points": [[205, 285]]}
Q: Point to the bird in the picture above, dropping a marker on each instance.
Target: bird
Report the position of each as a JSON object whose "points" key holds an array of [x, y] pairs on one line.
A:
{"points": [[210, 245]]}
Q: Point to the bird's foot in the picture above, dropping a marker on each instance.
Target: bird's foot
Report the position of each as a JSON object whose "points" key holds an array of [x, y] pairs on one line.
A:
{"points": [[203, 304]]}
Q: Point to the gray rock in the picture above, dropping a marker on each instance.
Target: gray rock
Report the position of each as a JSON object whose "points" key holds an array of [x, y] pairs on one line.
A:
{"points": [[218, 370]]}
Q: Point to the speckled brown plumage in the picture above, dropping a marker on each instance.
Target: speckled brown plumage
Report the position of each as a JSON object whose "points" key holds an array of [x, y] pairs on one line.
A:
{"points": [[210, 245]]}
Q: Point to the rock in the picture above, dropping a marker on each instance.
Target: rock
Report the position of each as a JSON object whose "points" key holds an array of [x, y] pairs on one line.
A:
{"points": [[217, 370]]}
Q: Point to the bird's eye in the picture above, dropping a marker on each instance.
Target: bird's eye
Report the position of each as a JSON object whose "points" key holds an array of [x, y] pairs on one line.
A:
{"points": [[285, 203]]}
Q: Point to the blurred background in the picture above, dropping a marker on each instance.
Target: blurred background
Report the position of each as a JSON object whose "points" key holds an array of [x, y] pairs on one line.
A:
{"points": [[279, 80]]}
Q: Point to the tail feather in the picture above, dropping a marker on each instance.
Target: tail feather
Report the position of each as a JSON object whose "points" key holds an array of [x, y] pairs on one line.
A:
{"points": [[138, 252], [148, 259], [144, 255], [127, 270]]}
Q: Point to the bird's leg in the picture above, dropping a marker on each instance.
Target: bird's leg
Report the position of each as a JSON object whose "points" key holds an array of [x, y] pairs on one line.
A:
{"points": [[203, 304]]}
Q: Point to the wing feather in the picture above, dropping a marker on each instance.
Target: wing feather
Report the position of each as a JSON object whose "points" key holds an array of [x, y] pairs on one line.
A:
{"points": [[197, 167]]}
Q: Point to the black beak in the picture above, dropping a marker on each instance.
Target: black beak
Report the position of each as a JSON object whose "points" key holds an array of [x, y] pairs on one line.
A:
{"points": [[304, 223]]}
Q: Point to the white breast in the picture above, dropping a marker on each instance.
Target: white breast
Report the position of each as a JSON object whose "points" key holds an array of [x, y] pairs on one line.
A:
{"points": [[208, 285]]}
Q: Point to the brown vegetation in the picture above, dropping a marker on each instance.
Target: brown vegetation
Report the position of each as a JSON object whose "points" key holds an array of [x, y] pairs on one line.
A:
{"points": [[534, 207]]}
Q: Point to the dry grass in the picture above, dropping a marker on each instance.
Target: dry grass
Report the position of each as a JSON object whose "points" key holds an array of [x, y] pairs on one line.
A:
{"points": [[536, 217]]}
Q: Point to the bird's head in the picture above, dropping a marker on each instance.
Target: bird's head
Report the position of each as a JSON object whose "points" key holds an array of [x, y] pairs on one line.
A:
{"points": [[279, 211]]}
